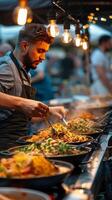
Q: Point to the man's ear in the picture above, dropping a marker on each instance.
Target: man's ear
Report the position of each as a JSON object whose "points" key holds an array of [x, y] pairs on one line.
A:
{"points": [[24, 45]]}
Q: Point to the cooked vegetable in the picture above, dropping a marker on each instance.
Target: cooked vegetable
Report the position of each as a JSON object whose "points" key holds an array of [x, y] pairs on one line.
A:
{"points": [[22, 165], [80, 125], [63, 134], [50, 148]]}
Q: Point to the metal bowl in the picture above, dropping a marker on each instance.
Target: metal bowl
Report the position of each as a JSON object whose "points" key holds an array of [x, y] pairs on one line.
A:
{"points": [[24, 194]]}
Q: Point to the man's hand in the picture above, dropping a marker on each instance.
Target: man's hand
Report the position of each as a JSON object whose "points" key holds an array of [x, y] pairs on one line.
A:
{"points": [[58, 111], [33, 108]]}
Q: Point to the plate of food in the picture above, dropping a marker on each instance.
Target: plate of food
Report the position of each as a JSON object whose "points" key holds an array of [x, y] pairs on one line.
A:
{"points": [[84, 126], [62, 133], [32, 171], [52, 149]]}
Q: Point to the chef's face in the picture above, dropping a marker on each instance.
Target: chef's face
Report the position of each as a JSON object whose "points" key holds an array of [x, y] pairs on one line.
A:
{"points": [[34, 54]]}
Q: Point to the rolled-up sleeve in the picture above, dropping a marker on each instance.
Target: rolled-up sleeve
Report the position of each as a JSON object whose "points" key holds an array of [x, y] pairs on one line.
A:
{"points": [[6, 77]]}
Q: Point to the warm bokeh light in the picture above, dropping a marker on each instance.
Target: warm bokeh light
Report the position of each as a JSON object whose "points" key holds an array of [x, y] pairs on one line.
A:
{"points": [[84, 45], [53, 29], [22, 14], [66, 36], [78, 40]]}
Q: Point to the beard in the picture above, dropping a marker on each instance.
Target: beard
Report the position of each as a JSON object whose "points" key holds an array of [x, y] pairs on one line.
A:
{"points": [[28, 62]]}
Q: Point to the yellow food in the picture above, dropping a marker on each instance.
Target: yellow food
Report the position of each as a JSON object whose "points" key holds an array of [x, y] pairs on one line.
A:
{"points": [[22, 165], [62, 133]]}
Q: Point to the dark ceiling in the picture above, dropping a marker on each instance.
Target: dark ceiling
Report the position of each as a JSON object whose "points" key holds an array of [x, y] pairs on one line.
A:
{"points": [[79, 9]]}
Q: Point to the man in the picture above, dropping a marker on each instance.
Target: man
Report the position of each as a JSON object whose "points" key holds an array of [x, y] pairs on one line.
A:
{"points": [[29, 107], [33, 43], [100, 67]]}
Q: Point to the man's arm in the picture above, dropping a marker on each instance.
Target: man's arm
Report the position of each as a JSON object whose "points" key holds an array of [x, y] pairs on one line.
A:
{"points": [[56, 112], [30, 107]]}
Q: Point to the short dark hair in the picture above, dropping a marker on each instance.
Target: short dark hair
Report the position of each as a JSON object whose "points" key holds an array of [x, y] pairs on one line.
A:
{"points": [[33, 33], [104, 38]]}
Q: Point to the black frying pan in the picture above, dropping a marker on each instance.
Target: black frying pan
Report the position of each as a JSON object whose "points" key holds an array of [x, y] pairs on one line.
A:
{"points": [[41, 182], [72, 158]]}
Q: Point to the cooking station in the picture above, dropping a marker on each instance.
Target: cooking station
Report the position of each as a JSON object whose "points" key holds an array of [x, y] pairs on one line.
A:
{"points": [[92, 174], [86, 182], [88, 178]]}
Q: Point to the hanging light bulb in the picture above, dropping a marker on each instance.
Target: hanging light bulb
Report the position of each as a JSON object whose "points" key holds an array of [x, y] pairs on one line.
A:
{"points": [[66, 36], [22, 14], [77, 38], [52, 28], [84, 45], [84, 41]]}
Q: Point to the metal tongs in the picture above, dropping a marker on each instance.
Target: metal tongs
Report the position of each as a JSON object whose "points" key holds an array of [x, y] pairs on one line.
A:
{"points": [[53, 129], [64, 121]]}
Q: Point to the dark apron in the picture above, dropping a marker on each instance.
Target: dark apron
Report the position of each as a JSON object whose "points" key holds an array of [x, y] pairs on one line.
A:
{"points": [[17, 124]]}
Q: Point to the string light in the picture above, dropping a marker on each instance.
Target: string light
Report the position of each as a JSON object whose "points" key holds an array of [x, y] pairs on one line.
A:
{"points": [[96, 18], [92, 14], [103, 19], [97, 9], [85, 26], [52, 28], [77, 38], [90, 18], [66, 36], [22, 14], [80, 40], [84, 41], [84, 45]]}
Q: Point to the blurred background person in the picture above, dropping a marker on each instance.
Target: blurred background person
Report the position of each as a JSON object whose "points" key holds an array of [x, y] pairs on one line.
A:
{"points": [[67, 66], [100, 67], [41, 81], [4, 48]]}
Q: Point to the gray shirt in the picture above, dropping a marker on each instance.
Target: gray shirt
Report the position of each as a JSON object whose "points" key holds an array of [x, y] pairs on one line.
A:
{"points": [[10, 82]]}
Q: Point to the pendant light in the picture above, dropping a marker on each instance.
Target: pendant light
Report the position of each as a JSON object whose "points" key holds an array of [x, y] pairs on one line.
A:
{"points": [[22, 14], [66, 36]]}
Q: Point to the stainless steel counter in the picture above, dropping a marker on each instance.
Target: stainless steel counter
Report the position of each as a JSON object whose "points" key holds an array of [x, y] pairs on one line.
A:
{"points": [[92, 175]]}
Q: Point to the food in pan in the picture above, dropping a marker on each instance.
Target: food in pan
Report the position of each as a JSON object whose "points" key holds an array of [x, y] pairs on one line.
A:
{"points": [[73, 138], [44, 134], [81, 125], [49, 148], [63, 134], [85, 115], [22, 165]]}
